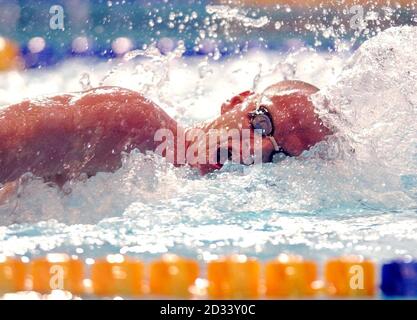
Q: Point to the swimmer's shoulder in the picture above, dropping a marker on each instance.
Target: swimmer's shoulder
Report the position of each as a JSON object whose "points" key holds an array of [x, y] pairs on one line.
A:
{"points": [[108, 94], [110, 91], [112, 102]]}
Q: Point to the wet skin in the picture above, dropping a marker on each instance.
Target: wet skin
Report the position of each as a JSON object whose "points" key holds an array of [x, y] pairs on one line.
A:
{"points": [[59, 138]]}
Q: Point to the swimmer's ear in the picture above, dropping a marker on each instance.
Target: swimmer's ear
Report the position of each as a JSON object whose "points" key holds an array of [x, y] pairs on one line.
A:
{"points": [[231, 103]]}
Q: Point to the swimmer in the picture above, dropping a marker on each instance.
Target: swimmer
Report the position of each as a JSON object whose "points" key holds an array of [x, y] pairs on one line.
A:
{"points": [[62, 137]]}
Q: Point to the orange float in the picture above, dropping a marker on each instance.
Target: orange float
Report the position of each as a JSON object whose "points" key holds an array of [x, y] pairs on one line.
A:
{"points": [[57, 272], [12, 274], [289, 276], [173, 276], [117, 275], [9, 55], [234, 277], [350, 276]]}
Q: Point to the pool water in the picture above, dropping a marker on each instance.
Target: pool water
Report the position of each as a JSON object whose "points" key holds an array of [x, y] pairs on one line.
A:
{"points": [[355, 193]]}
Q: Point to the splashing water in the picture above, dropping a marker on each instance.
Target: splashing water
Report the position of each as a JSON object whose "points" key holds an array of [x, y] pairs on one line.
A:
{"points": [[372, 107], [227, 13], [329, 201]]}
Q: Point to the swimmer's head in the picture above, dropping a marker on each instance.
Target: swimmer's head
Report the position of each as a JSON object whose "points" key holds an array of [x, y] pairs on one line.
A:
{"points": [[296, 126], [283, 115]]}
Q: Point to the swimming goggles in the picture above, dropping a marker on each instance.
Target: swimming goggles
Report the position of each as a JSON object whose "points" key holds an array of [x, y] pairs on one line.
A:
{"points": [[261, 121]]}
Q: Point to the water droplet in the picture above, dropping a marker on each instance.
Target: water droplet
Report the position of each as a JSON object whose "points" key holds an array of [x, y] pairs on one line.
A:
{"points": [[85, 81], [278, 25]]}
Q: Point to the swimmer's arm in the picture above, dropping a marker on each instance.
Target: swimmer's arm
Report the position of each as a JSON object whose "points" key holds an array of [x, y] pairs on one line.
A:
{"points": [[68, 135]]}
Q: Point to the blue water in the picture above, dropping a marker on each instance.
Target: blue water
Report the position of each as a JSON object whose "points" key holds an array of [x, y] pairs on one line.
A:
{"points": [[328, 202]]}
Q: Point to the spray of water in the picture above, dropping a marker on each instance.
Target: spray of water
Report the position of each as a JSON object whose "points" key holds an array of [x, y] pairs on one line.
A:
{"points": [[373, 104], [230, 14]]}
